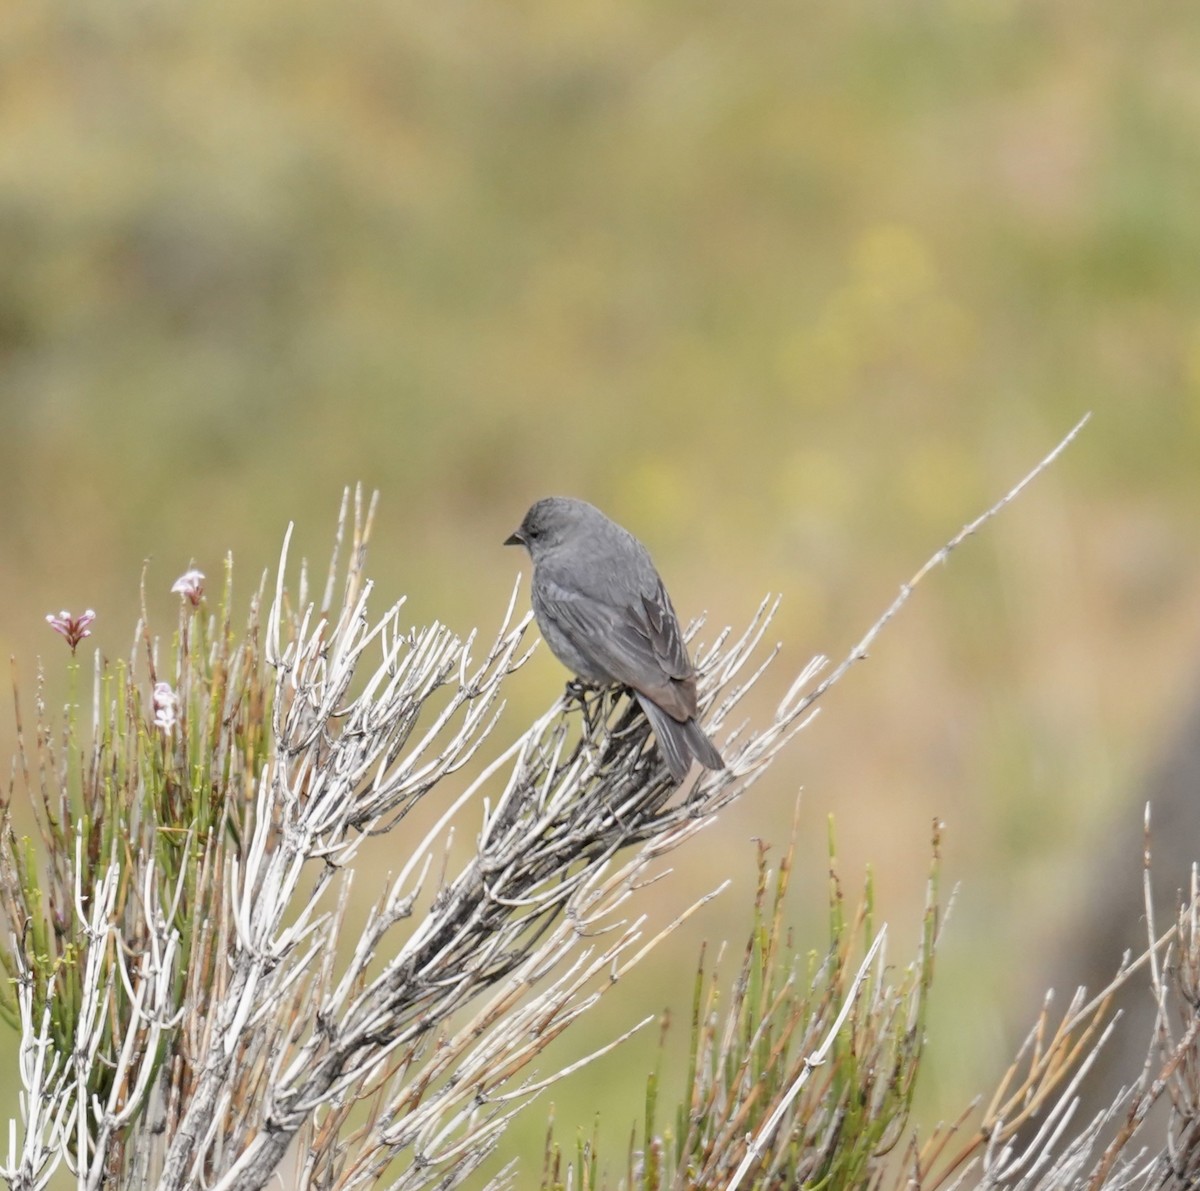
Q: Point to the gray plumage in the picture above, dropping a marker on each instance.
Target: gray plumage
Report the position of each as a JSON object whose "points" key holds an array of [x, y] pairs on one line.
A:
{"points": [[606, 616]]}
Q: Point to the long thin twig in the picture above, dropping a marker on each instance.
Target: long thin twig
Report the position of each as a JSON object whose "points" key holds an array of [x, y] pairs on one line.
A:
{"points": [[859, 652]]}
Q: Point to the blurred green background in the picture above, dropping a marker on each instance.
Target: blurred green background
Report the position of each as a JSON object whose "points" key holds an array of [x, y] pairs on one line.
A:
{"points": [[791, 289]]}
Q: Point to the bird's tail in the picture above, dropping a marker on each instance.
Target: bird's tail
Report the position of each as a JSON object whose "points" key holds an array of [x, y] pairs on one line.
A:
{"points": [[680, 742]]}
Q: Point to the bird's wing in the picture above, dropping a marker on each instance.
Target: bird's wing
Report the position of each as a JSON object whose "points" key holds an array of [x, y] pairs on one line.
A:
{"points": [[662, 625], [638, 643]]}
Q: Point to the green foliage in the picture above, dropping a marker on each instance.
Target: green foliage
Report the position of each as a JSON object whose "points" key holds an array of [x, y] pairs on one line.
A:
{"points": [[144, 811], [752, 1045]]}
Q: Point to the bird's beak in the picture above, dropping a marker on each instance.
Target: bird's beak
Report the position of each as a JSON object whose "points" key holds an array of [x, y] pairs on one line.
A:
{"points": [[516, 538]]}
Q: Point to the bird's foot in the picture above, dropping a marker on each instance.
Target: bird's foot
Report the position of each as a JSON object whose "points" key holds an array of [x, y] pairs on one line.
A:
{"points": [[585, 693], [578, 688]]}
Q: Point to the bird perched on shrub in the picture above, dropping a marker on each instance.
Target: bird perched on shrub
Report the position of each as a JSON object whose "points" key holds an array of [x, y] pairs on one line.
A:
{"points": [[606, 615]]}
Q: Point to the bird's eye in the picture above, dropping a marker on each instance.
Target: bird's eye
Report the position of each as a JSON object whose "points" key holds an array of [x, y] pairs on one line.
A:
{"points": [[534, 532]]}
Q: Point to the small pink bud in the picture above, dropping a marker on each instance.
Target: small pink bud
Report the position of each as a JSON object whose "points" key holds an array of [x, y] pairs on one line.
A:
{"points": [[74, 628]]}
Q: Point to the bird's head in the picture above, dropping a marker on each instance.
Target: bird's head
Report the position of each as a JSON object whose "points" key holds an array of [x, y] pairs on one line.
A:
{"points": [[549, 523]]}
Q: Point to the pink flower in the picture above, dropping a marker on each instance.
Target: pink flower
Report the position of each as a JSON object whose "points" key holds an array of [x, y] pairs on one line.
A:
{"points": [[74, 628], [166, 706], [190, 585]]}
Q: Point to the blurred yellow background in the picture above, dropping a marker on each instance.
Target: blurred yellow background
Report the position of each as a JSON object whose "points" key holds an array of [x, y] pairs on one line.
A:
{"points": [[792, 290]]}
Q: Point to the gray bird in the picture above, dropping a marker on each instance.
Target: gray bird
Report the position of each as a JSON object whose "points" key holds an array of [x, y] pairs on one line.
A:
{"points": [[606, 616]]}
